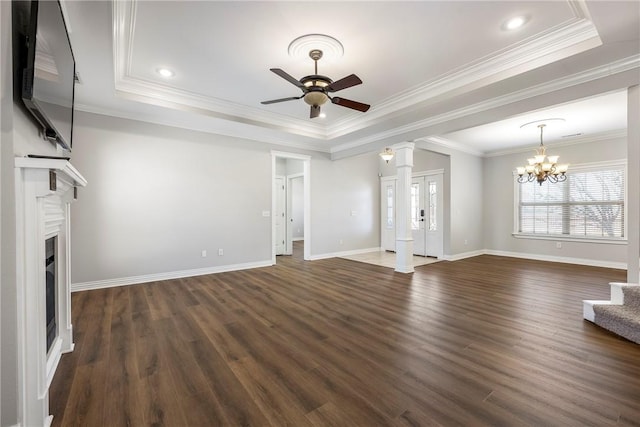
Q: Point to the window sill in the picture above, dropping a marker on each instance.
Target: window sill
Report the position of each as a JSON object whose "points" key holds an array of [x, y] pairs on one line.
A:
{"points": [[563, 238]]}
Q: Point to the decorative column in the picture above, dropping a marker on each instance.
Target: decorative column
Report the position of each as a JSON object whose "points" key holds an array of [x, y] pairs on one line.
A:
{"points": [[633, 177], [404, 238]]}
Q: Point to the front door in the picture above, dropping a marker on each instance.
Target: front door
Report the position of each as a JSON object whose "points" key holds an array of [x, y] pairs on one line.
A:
{"points": [[426, 215], [434, 210], [418, 216]]}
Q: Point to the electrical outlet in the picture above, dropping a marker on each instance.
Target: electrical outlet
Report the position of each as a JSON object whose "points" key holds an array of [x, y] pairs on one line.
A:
{"points": [[220, 252], [559, 245], [465, 241], [204, 253], [340, 241]]}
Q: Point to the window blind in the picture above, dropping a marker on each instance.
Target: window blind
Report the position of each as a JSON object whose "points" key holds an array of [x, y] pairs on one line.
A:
{"points": [[590, 203]]}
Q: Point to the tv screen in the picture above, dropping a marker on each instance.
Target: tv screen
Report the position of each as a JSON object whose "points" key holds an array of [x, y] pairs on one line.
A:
{"points": [[49, 76]]}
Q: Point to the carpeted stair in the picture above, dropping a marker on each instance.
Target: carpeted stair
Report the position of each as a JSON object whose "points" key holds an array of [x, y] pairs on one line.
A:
{"points": [[621, 315]]}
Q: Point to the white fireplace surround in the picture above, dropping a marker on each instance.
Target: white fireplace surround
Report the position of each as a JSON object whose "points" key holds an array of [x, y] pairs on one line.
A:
{"points": [[42, 213]]}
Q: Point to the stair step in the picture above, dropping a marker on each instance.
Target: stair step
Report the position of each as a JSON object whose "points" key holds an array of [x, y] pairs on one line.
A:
{"points": [[631, 296], [620, 319]]}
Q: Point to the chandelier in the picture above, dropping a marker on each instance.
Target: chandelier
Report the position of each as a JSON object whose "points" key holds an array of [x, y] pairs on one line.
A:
{"points": [[542, 167]]}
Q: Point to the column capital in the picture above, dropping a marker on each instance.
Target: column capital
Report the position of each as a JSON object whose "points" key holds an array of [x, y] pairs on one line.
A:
{"points": [[404, 154], [406, 144]]}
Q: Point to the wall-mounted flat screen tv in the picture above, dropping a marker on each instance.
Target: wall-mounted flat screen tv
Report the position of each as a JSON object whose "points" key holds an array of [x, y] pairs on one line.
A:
{"points": [[49, 77]]}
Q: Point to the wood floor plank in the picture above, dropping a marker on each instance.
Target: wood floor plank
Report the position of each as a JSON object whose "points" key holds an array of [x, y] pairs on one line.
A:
{"points": [[483, 341]]}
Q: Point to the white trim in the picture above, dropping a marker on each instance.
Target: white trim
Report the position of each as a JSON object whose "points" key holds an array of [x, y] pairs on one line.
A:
{"points": [[572, 36], [564, 260], [463, 255], [567, 238], [134, 280], [600, 137], [298, 239], [236, 132], [430, 172], [344, 253], [623, 65]]}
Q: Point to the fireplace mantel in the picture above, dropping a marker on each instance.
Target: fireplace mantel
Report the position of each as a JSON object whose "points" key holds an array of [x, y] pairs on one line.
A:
{"points": [[45, 189]]}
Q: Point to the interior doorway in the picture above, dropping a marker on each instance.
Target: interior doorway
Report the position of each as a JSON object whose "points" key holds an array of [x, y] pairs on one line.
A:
{"points": [[291, 201]]}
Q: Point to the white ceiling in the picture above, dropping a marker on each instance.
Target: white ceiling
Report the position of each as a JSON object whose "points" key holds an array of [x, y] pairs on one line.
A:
{"points": [[442, 69]]}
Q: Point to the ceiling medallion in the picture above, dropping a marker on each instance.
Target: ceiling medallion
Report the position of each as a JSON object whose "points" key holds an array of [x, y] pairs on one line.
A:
{"points": [[331, 48]]}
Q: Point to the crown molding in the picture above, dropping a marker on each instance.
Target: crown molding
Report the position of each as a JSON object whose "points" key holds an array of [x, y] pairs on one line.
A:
{"points": [[623, 65], [575, 35], [259, 136], [599, 137], [453, 145], [124, 22]]}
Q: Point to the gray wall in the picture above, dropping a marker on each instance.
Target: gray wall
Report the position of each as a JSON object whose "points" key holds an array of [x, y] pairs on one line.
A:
{"points": [[158, 196], [297, 208], [499, 204], [463, 191], [338, 189]]}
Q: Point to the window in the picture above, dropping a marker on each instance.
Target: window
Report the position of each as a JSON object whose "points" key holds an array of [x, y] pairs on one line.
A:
{"points": [[589, 204], [433, 196], [415, 206], [390, 198]]}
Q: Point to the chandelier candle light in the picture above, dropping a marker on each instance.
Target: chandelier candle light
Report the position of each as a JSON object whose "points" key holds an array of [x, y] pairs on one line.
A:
{"points": [[542, 167]]}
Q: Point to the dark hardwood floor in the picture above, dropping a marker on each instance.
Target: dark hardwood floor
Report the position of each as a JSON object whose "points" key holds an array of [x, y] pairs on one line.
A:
{"points": [[483, 341]]}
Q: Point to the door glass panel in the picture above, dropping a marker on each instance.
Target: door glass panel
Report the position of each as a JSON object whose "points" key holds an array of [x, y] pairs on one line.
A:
{"points": [[415, 206], [433, 193], [390, 206]]}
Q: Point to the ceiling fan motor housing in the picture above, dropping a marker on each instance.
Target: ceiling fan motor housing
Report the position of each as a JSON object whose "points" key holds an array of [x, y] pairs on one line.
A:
{"points": [[315, 86]]}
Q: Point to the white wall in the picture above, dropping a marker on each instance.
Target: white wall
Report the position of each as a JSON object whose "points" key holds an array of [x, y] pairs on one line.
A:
{"points": [[158, 196], [499, 205]]}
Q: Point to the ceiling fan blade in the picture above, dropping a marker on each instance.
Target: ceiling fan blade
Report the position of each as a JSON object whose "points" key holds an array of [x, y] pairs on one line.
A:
{"points": [[350, 104], [315, 111], [288, 77], [273, 101], [344, 83]]}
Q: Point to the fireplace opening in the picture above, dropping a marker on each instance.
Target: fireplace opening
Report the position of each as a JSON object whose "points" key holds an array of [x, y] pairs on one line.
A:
{"points": [[51, 297]]}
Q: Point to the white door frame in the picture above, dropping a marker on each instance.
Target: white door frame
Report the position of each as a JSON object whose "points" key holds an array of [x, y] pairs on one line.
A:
{"points": [[280, 212], [288, 246], [306, 161]]}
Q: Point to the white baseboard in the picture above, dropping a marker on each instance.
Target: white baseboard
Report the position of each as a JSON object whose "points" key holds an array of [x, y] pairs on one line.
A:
{"points": [[565, 260], [463, 255], [297, 239], [344, 253], [133, 280]]}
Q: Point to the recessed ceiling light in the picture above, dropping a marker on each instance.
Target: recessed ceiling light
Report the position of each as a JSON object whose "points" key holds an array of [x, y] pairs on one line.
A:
{"points": [[514, 23], [165, 72], [322, 115]]}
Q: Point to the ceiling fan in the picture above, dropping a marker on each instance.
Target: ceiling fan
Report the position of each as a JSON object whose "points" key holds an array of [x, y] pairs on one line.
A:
{"points": [[316, 88]]}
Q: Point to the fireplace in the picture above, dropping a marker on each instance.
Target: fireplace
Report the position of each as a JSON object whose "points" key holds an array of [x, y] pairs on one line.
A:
{"points": [[50, 289], [45, 189]]}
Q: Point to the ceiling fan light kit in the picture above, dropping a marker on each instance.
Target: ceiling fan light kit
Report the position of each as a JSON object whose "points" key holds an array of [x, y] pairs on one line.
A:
{"points": [[316, 88]]}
